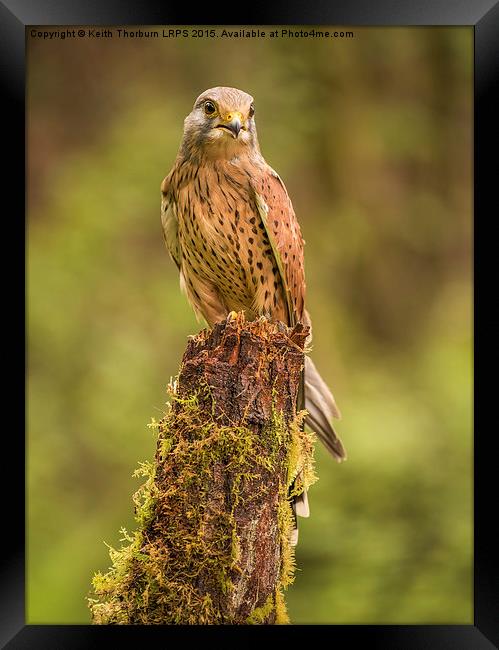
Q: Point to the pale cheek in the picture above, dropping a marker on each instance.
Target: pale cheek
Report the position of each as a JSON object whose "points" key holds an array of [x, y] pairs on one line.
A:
{"points": [[244, 136], [215, 135]]}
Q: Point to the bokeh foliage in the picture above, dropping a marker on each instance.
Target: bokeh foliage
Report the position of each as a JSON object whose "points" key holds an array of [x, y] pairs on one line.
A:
{"points": [[372, 137]]}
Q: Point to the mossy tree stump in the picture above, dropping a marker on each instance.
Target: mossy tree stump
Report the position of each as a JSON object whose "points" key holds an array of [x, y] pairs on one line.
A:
{"points": [[214, 516]]}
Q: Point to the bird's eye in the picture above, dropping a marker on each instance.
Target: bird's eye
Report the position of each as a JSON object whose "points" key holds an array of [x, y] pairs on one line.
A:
{"points": [[251, 111], [209, 108]]}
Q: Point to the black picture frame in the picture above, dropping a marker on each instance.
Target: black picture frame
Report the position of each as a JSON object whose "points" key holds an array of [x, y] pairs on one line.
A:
{"points": [[15, 15]]}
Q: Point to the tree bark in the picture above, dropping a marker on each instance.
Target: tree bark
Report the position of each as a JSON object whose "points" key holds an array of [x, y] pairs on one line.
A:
{"points": [[214, 513]]}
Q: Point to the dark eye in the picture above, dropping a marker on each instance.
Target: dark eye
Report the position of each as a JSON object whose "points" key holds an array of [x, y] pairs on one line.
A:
{"points": [[209, 108], [251, 111]]}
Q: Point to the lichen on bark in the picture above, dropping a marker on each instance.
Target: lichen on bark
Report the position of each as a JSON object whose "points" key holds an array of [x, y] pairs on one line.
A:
{"points": [[214, 516]]}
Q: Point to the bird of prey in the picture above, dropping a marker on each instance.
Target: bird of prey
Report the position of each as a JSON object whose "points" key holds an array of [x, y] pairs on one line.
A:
{"points": [[230, 228]]}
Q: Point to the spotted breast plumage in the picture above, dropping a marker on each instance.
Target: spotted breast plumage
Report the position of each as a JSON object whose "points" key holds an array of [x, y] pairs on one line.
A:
{"points": [[230, 227]]}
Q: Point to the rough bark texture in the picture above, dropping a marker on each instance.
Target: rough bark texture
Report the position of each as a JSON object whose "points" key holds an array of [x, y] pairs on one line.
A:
{"points": [[214, 513]]}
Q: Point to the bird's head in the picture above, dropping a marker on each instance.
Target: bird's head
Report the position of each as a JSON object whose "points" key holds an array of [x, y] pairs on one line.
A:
{"points": [[221, 124]]}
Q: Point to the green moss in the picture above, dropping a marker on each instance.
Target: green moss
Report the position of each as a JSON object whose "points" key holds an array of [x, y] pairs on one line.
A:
{"points": [[186, 536], [300, 456], [281, 614], [261, 614]]}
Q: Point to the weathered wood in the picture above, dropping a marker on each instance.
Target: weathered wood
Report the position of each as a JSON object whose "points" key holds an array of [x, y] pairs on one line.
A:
{"points": [[214, 515]]}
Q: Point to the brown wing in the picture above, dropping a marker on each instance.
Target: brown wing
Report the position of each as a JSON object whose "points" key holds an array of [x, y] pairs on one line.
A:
{"points": [[283, 230], [169, 221]]}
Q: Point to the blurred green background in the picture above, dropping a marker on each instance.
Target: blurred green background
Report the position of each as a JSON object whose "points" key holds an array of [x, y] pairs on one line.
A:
{"points": [[373, 138]]}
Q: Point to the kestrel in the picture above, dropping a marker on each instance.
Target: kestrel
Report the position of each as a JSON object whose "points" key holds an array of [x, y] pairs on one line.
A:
{"points": [[230, 228]]}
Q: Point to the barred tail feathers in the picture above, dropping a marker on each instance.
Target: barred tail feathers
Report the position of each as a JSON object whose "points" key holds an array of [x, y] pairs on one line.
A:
{"points": [[321, 407]]}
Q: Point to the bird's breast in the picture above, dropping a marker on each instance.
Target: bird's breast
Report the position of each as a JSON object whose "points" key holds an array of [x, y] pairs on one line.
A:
{"points": [[223, 241]]}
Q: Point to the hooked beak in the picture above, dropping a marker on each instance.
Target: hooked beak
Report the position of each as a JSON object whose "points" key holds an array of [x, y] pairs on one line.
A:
{"points": [[232, 123]]}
